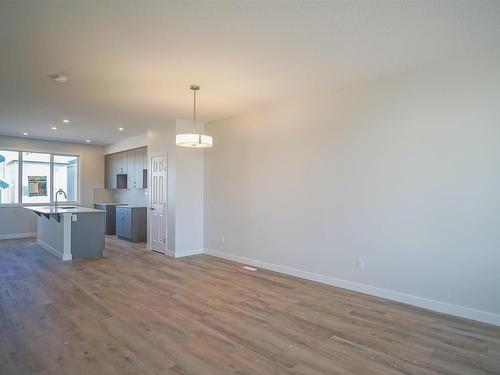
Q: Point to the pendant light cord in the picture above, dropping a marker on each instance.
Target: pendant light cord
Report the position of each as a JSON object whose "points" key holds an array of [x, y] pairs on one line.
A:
{"points": [[194, 111]]}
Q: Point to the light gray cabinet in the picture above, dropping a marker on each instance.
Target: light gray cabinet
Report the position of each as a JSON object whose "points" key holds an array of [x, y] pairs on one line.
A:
{"points": [[107, 171], [110, 171], [127, 169], [122, 162], [136, 168], [131, 169]]}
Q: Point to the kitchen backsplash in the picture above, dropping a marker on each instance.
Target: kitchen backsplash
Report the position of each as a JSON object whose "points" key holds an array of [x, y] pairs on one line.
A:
{"points": [[130, 196]]}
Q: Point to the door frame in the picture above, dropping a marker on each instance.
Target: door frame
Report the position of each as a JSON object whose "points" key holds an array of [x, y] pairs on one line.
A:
{"points": [[150, 186]]}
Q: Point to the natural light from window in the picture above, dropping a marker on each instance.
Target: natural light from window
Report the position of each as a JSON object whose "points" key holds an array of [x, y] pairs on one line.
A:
{"points": [[66, 177], [36, 178], [9, 177], [42, 175]]}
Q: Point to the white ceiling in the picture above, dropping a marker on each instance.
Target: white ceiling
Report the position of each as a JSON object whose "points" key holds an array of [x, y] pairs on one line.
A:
{"points": [[131, 63]]}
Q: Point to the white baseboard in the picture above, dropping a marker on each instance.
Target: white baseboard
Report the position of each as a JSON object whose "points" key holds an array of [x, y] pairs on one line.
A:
{"points": [[52, 250], [187, 253], [16, 235], [442, 307], [180, 254]]}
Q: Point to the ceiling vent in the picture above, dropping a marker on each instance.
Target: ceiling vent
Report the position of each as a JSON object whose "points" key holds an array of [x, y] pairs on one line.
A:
{"points": [[59, 78]]}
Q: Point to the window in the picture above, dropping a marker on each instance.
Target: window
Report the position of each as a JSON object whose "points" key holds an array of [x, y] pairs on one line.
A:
{"points": [[66, 177], [36, 178], [42, 175], [9, 177]]}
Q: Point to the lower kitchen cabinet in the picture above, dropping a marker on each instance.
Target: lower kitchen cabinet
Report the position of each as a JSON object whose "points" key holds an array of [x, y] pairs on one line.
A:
{"points": [[131, 223], [110, 216]]}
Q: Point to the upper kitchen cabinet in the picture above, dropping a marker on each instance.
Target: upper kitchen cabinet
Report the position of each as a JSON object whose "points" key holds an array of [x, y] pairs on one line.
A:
{"points": [[136, 167], [132, 183], [107, 171], [127, 169], [111, 170], [122, 162], [145, 168]]}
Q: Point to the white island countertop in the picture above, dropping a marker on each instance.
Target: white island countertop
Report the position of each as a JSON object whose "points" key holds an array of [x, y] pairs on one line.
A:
{"points": [[62, 209]]}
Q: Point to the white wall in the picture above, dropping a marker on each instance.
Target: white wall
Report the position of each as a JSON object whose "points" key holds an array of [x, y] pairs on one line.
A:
{"points": [[402, 173], [185, 187], [17, 221], [189, 194], [161, 142], [128, 143]]}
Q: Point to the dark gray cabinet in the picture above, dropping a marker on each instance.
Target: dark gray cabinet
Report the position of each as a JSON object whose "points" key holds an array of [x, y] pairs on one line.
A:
{"points": [[131, 223], [127, 169], [110, 215], [121, 181]]}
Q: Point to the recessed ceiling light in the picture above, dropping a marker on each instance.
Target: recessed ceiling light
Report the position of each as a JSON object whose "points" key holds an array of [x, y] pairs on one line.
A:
{"points": [[54, 128], [25, 133], [121, 129], [88, 141], [66, 121]]}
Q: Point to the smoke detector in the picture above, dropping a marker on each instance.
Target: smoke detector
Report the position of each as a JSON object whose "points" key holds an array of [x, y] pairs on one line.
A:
{"points": [[59, 78]]}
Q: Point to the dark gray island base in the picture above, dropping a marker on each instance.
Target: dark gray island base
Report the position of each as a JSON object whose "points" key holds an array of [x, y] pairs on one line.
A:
{"points": [[72, 232]]}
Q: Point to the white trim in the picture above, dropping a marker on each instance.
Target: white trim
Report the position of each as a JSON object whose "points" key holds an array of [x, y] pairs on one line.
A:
{"points": [[67, 228], [179, 254], [12, 236], [51, 175], [187, 253], [50, 249], [442, 307]]}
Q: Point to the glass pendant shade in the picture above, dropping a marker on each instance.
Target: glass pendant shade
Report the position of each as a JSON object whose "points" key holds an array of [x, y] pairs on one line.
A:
{"points": [[193, 140]]}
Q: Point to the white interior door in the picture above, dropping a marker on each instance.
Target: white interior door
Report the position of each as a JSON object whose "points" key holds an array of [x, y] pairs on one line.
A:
{"points": [[158, 204]]}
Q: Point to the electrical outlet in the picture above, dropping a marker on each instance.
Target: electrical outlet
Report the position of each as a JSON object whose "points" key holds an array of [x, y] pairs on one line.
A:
{"points": [[222, 239], [74, 218]]}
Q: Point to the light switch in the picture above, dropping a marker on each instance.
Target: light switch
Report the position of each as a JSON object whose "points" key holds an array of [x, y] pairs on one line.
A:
{"points": [[74, 218]]}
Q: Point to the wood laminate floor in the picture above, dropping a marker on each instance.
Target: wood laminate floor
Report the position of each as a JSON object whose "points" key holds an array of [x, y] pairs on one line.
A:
{"points": [[137, 312]]}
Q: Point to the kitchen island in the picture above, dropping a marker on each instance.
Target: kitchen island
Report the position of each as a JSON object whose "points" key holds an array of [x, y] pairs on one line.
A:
{"points": [[70, 232]]}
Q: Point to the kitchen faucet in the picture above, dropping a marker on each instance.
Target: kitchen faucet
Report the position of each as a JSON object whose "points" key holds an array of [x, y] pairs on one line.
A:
{"points": [[60, 191]]}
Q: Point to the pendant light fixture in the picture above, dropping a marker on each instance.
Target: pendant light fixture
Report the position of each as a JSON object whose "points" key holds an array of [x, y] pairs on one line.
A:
{"points": [[194, 139]]}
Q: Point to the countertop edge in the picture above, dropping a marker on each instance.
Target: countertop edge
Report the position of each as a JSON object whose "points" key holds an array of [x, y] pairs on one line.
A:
{"points": [[80, 210]]}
